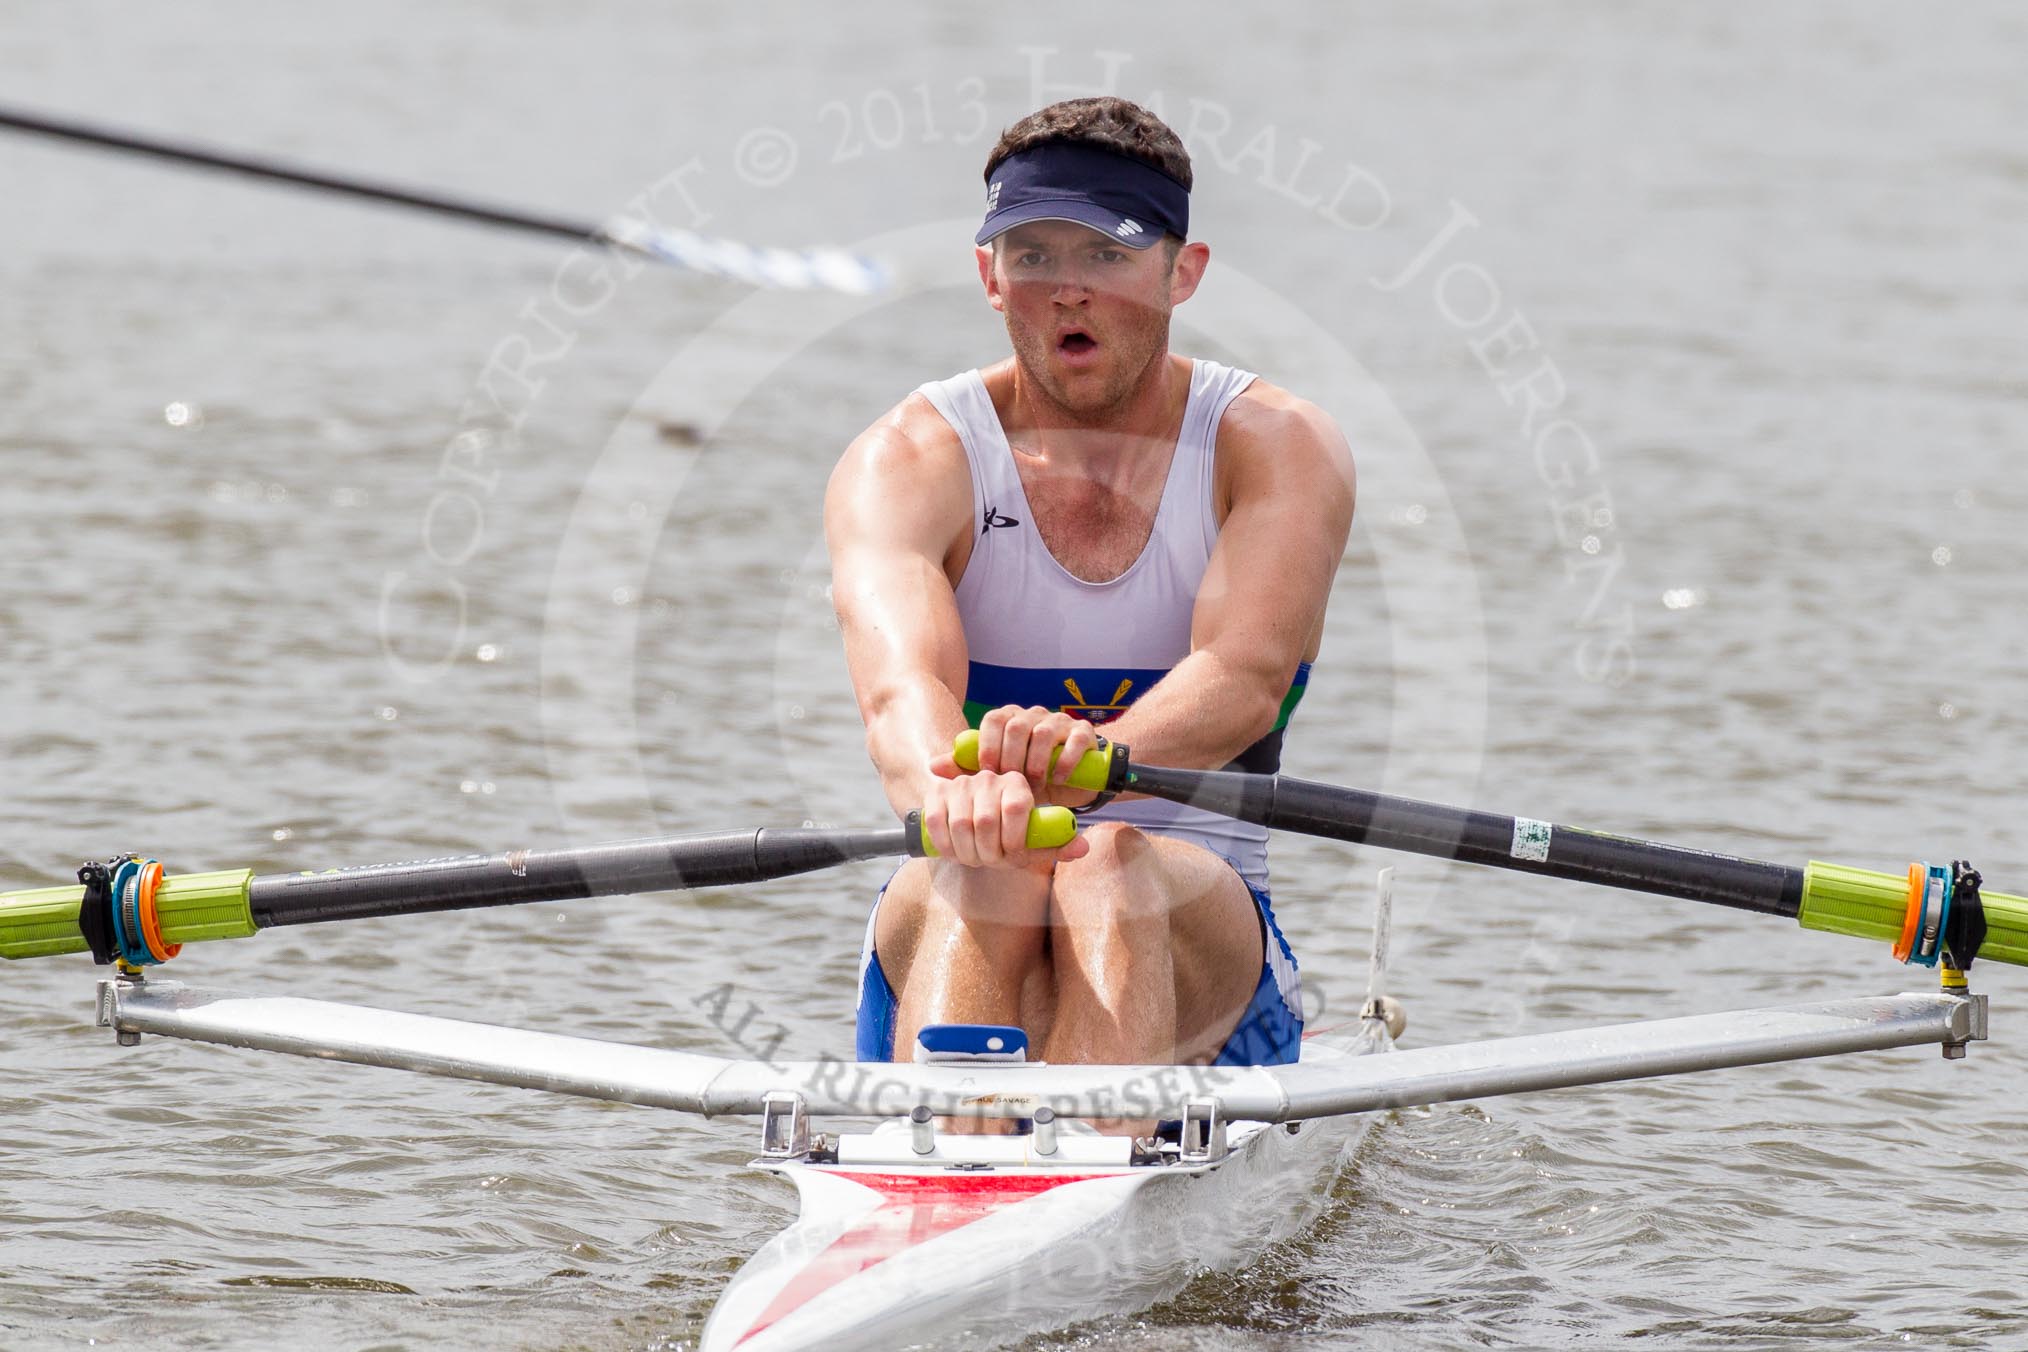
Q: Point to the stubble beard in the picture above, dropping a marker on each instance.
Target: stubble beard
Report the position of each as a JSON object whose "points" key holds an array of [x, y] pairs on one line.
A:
{"points": [[1132, 351]]}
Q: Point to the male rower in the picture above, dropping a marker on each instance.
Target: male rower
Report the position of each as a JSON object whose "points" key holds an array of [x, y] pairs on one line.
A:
{"points": [[1093, 531]]}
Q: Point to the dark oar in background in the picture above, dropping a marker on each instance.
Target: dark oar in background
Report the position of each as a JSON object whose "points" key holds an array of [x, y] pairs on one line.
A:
{"points": [[795, 269]]}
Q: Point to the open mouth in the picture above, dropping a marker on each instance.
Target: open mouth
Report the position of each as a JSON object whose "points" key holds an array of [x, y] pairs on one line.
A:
{"points": [[1076, 343]]}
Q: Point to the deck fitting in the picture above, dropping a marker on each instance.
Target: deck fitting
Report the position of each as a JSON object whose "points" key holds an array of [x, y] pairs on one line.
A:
{"points": [[785, 1127], [1044, 1131], [1203, 1132]]}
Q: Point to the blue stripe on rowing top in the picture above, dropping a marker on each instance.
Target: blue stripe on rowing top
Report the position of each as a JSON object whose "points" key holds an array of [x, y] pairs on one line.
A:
{"points": [[1101, 694], [1096, 694], [1093, 693]]}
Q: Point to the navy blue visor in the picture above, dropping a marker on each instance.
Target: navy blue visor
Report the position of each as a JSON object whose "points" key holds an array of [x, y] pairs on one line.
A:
{"points": [[1135, 203]]}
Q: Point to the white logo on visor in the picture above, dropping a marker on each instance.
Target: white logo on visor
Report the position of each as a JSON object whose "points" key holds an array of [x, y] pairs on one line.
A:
{"points": [[993, 197], [1127, 226]]}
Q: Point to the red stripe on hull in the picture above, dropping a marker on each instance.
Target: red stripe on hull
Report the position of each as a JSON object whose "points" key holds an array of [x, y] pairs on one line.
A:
{"points": [[914, 1209]]}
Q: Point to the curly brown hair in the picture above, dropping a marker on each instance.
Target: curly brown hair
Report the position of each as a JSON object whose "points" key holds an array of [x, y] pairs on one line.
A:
{"points": [[1108, 123]]}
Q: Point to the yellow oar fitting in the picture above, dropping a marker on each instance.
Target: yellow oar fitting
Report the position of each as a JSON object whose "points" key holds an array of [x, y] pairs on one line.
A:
{"points": [[1049, 828]]}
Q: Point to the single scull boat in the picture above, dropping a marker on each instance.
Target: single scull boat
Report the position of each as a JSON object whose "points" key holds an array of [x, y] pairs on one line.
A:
{"points": [[907, 1232]]}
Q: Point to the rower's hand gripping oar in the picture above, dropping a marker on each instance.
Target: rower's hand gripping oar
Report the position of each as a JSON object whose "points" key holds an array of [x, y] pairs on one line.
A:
{"points": [[128, 910], [1933, 914]]}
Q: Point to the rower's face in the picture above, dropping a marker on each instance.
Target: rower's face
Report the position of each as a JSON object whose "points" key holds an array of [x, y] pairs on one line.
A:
{"points": [[1087, 316]]}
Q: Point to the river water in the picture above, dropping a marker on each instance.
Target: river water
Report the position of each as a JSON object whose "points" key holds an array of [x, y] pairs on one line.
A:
{"points": [[1681, 352]]}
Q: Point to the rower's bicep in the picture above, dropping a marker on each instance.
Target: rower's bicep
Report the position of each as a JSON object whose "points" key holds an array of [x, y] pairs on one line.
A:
{"points": [[1278, 551], [889, 523]]}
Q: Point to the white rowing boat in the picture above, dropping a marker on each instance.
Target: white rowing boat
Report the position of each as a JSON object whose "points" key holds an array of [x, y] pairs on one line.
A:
{"points": [[984, 1238]]}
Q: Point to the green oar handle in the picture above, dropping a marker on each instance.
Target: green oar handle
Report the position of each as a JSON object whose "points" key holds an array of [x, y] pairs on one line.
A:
{"points": [[1092, 772], [1049, 828]]}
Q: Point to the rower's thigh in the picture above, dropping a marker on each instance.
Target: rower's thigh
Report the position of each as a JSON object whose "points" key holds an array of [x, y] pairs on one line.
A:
{"points": [[1213, 925], [1215, 934]]}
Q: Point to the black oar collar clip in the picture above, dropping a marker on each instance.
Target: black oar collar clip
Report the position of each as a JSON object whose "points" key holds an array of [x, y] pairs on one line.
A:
{"points": [[1118, 771], [1965, 931], [95, 909]]}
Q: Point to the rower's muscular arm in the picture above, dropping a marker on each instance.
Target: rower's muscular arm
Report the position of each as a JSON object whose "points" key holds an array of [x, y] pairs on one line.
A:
{"points": [[898, 506], [1285, 476]]}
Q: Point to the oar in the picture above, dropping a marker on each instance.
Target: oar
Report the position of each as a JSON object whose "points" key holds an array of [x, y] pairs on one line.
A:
{"points": [[1932, 913], [126, 910], [797, 269]]}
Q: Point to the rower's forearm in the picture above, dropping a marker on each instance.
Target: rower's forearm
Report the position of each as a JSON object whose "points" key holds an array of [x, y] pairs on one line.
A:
{"points": [[906, 728], [1202, 714]]}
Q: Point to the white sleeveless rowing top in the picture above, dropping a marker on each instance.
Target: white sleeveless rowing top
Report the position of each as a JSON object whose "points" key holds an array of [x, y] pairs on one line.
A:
{"points": [[1038, 635]]}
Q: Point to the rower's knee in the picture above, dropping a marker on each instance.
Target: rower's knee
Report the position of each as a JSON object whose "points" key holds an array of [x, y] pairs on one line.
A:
{"points": [[1114, 886], [1116, 849]]}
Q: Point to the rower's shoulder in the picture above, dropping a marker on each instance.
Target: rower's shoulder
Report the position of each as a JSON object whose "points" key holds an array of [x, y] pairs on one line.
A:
{"points": [[909, 462], [1266, 422], [913, 438]]}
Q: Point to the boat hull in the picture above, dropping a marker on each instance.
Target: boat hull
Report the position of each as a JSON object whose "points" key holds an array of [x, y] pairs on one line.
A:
{"points": [[883, 1255]]}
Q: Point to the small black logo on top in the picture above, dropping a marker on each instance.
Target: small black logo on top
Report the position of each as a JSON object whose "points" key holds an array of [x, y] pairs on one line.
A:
{"points": [[993, 518]]}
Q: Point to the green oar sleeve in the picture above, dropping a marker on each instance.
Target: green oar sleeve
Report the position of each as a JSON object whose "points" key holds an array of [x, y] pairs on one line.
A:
{"points": [[41, 923], [200, 906], [1869, 905], [192, 906]]}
